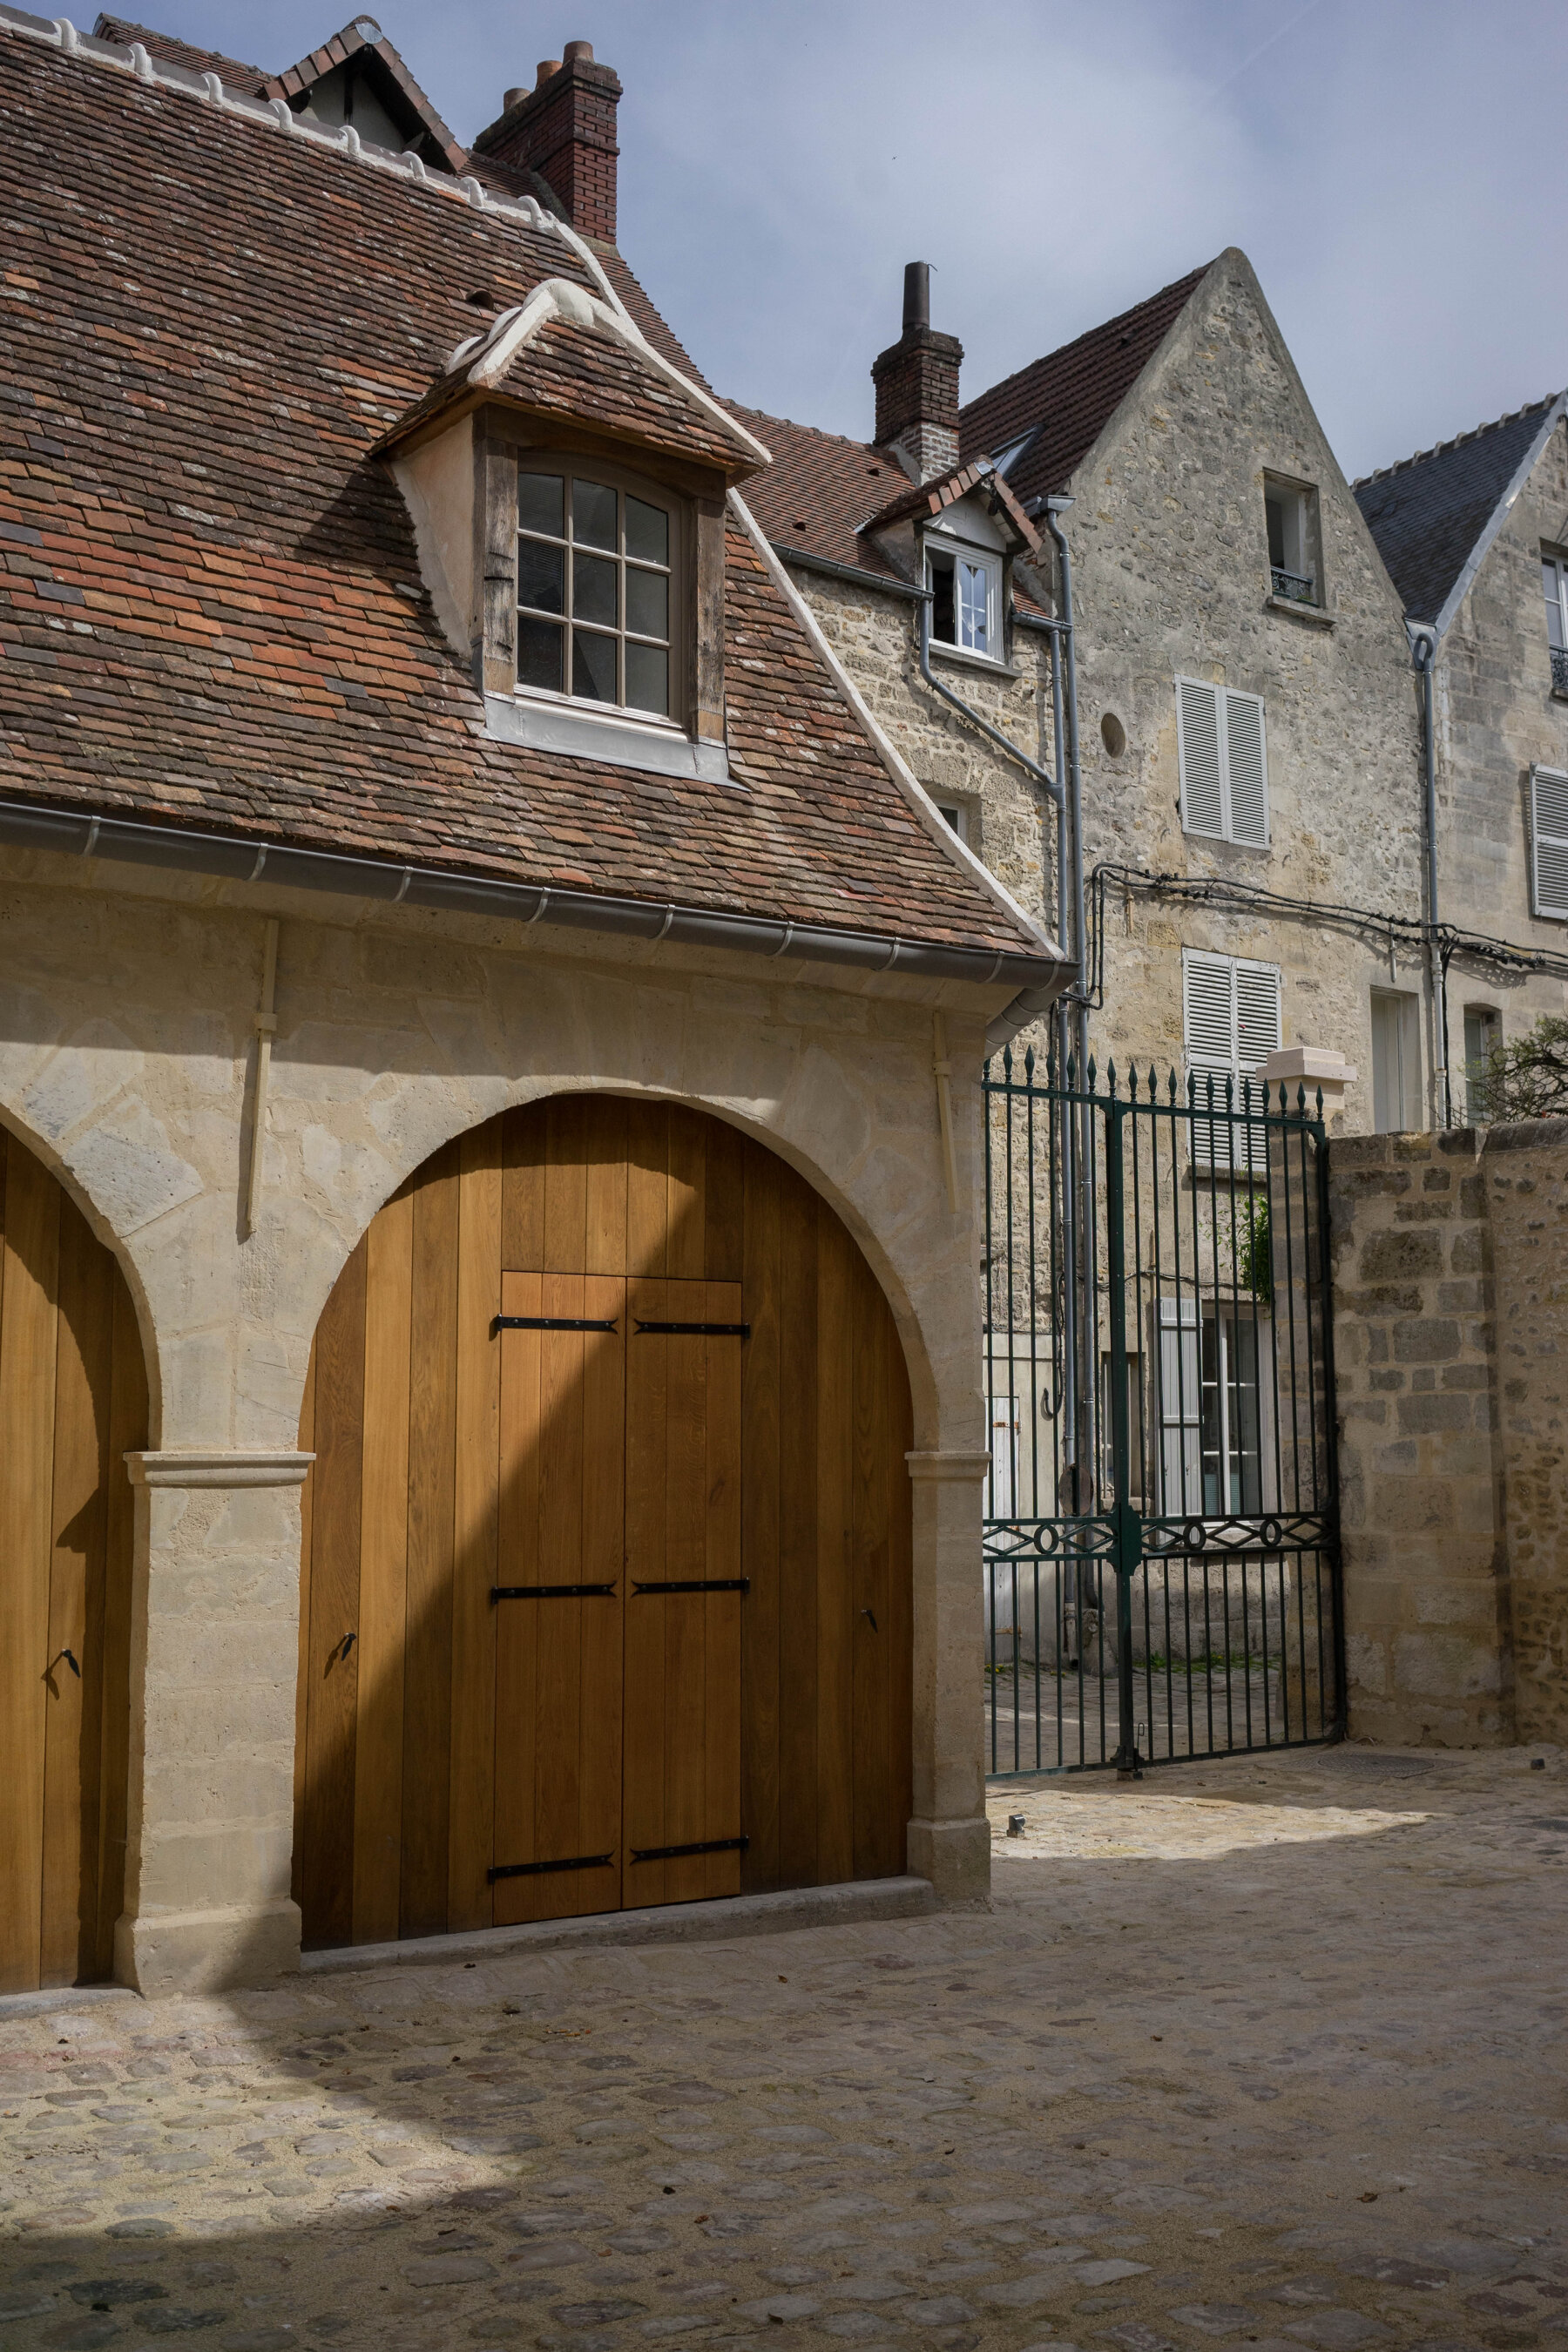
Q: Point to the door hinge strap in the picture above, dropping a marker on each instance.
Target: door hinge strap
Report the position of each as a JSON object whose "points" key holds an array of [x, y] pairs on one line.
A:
{"points": [[549, 1323], [550, 1592], [678, 1853], [701, 1584], [538, 1869], [698, 1330]]}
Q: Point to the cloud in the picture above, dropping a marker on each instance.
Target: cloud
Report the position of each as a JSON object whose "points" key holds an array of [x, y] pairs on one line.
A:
{"points": [[1395, 173]]}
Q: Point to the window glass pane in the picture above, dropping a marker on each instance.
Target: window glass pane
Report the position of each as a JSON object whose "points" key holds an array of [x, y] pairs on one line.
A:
{"points": [[974, 618], [941, 611], [594, 590], [539, 503], [647, 678], [648, 602], [541, 575], [593, 514], [593, 667], [538, 654], [647, 531], [1552, 581]]}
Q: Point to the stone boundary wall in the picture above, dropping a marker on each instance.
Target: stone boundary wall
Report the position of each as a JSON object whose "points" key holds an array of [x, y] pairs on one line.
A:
{"points": [[1450, 1285]]}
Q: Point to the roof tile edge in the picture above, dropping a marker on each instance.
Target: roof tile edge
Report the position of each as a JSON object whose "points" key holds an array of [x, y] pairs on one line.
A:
{"points": [[62, 34]]}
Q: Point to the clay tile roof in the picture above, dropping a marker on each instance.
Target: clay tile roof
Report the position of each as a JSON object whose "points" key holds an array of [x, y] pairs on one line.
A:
{"points": [[929, 498], [1428, 512], [212, 611], [122, 32], [819, 490], [1067, 399], [394, 84]]}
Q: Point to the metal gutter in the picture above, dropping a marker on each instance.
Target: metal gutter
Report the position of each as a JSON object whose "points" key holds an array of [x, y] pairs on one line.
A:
{"points": [[806, 562], [25, 824], [1424, 655]]}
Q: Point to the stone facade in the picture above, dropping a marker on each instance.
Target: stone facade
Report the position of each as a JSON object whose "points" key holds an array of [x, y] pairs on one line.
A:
{"points": [[1496, 716], [128, 1005], [1450, 1311]]}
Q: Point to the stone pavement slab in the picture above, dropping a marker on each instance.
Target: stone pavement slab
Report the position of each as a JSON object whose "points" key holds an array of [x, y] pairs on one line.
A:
{"points": [[1265, 2056]]}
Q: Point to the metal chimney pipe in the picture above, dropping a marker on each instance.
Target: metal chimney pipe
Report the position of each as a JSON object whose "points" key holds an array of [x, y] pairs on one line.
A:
{"points": [[917, 294]]}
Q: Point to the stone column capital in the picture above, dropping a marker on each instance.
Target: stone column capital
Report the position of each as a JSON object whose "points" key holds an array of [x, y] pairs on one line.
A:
{"points": [[969, 1468], [219, 1467]]}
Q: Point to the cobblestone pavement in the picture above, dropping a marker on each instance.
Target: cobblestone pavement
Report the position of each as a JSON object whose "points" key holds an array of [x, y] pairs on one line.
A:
{"points": [[1258, 2054]]}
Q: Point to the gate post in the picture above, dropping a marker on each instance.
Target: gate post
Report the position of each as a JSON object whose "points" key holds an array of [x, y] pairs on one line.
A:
{"points": [[1127, 1527]]}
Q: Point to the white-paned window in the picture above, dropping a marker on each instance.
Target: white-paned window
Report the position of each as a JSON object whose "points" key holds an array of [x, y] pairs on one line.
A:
{"points": [[1291, 513], [596, 572], [954, 813], [1230, 1025], [1214, 1418], [1395, 1062], [1549, 843], [1223, 757], [1483, 1035], [1554, 580], [966, 595]]}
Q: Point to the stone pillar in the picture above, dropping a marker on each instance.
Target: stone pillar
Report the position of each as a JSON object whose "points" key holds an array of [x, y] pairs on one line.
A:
{"points": [[214, 1667], [948, 1837]]}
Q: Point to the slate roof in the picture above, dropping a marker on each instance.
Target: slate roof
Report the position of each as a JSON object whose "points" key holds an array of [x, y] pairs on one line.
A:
{"points": [[212, 613], [1066, 400], [1428, 512]]}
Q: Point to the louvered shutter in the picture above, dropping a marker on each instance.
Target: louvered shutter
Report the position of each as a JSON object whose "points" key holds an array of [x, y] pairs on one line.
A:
{"points": [[1198, 756], [1181, 1409], [1246, 765], [1258, 1034], [1548, 842], [1208, 1033]]}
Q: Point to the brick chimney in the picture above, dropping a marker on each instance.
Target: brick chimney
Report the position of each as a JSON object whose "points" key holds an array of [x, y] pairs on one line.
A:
{"points": [[564, 129], [917, 386]]}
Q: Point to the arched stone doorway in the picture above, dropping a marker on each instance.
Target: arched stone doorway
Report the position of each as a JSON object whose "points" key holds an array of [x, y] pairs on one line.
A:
{"points": [[606, 1560], [73, 1402]]}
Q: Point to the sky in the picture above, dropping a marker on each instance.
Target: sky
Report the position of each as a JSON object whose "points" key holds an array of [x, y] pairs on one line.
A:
{"points": [[1393, 168]]}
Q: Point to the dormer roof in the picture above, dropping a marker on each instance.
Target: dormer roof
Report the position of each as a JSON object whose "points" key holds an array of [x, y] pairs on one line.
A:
{"points": [[566, 352], [924, 501]]}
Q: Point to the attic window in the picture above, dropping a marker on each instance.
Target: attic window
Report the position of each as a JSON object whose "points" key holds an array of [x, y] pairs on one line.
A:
{"points": [[595, 580], [1290, 512], [966, 587]]}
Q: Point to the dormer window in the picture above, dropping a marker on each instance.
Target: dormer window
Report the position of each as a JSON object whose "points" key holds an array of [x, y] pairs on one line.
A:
{"points": [[597, 572], [966, 597]]}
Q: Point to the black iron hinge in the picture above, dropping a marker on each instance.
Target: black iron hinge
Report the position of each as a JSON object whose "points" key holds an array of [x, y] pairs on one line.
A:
{"points": [[701, 1584], [678, 1853], [696, 1330], [550, 1592], [550, 1323], [539, 1869]]}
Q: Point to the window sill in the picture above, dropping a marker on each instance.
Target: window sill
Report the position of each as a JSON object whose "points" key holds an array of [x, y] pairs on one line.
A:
{"points": [[1317, 614], [1225, 841], [962, 658], [616, 738]]}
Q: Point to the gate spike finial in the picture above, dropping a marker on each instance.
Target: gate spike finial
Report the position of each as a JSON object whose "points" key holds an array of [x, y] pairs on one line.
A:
{"points": [[1029, 1066], [1007, 1064]]}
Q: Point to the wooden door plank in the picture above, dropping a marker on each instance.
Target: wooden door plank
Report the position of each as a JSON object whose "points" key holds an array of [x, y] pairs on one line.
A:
{"points": [[643, 1817], [688, 1243], [524, 1148], [559, 1622], [798, 1380], [647, 1188], [603, 1562], [518, 1562], [684, 1615], [900, 1419], [471, 1835], [383, 1572], [432, 1448], [759, 1524], [724, 1203], [605, 1153], [28, 1339], [566, 1186], [74, 1714], [332, 1673], [722, 1611], [301, 1676], [873, 1658], [835, 1553], [127, 1435]]}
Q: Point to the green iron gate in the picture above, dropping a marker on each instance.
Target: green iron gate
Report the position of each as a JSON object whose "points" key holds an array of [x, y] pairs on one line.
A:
{"points": [[1160, 1536]]}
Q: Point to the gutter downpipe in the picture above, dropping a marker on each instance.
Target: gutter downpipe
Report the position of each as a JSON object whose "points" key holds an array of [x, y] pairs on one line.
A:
{"points": [[1079, 1344], [1424, 655]]}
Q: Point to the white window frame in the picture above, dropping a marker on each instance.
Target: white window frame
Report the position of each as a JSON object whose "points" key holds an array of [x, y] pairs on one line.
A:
{"points": [[1406, 1078], [1241, 1153], [954, 815], [1550, 906], [986, 559], [1222, 697], [1557, 566]]}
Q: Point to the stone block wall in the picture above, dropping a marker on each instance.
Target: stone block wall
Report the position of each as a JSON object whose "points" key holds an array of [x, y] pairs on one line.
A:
{"points": [[1450, 1287]]}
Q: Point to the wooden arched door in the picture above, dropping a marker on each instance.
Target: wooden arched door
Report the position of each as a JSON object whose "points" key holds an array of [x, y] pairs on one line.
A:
{"points": [[73, 1402], [606, 1574]]}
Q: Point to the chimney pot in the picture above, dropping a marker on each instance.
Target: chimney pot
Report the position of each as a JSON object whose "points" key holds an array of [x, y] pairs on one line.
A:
{"points": [[579, 53], [917, 294], [513, 98], [542, 72]]}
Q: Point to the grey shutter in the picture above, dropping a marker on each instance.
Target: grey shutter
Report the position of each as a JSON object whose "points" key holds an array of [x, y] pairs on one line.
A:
{"points": [[1548, 842], [1247, 762], [1198, 756], [1258, 1034], [1208, 1037]]}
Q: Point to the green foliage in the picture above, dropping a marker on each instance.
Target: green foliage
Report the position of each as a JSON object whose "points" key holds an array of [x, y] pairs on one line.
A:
{"points": [[1254, 1253], [1529, 1080]]}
